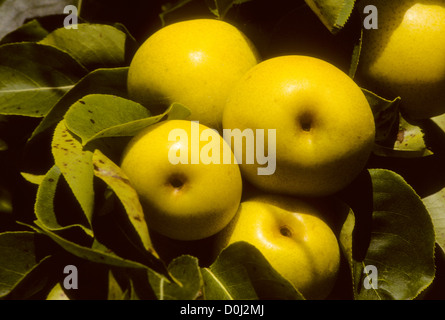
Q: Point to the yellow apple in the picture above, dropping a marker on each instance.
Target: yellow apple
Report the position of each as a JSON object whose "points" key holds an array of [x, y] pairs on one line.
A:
{"points": [[324, 126], [193, 62], [186, 190], [405, 56], [293, 237]]}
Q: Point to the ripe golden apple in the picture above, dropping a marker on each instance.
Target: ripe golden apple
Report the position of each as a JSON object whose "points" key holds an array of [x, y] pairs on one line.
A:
{"points": [[292, 236], [193, 62], [405, 56], [185, 191], [324, 126]]}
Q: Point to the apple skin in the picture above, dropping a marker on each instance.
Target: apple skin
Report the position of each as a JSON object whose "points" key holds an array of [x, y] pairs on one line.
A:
{"points": [[293, 237], [325, 128], [405, 56], [193, 62], [181, 201]]}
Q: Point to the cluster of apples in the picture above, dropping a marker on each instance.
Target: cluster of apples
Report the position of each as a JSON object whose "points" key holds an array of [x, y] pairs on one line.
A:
{"points": [[323, 134]]}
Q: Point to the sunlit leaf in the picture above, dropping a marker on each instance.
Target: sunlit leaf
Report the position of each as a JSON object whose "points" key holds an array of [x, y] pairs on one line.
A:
{"points": [[33, 178], [101, 116], [57, 293], [76, 166], [111, 174]]}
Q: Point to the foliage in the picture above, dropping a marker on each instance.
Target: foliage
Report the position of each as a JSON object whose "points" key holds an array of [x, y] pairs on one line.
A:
{"points": [[65, 117]]}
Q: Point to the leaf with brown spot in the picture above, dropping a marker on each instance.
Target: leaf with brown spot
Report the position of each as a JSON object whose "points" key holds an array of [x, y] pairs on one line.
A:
{"points": [[103, 116], [105, 81], [76, 166], [112, 175]]}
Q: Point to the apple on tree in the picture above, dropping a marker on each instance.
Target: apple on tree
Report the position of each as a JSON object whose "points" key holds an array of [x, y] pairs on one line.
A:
{"points": [[405, 56], [293, 237], [181, 201], [324, 125], [192, 62]]}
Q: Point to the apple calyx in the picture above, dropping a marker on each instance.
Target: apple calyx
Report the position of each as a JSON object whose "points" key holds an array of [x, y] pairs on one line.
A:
{"points": [[305, 121], [176, 181], [286, 231]]}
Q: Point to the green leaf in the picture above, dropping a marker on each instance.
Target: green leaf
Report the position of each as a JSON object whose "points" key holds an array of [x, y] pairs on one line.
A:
{"points": [[103, 81], [388, 238], [242, 272], [34, 77], [435, 201], [76, 166], [185, 270], [440, 122], [387, 116], [102, 255], [355, 58], [89, 117], [115, 292], [44, 205], [19, 256], [114, 177], [332, 13], [395, 136], [92, 45], [57, 293], [101, 116], [33, 178]]}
